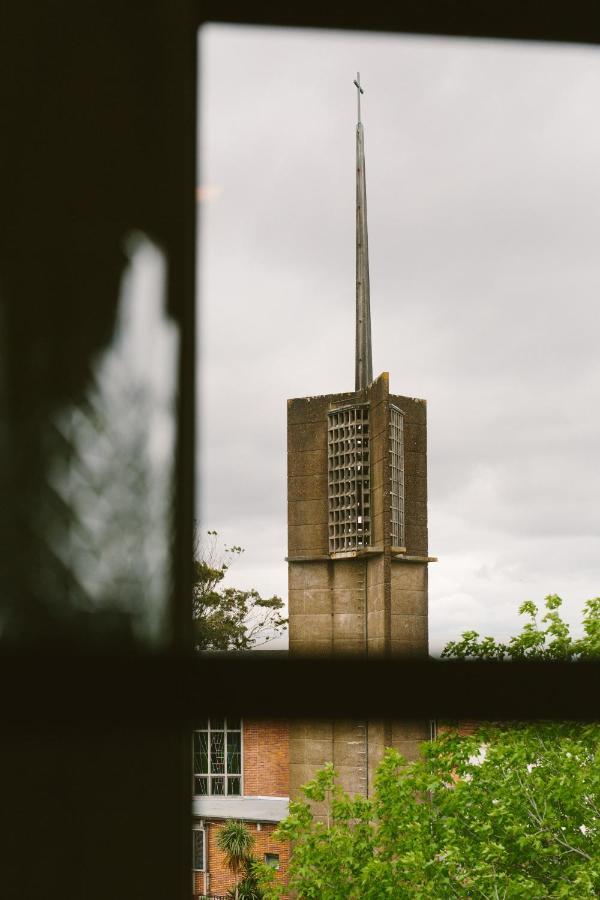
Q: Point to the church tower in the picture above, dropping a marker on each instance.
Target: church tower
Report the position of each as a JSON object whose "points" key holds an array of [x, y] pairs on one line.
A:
{"points": [[357, 536]]}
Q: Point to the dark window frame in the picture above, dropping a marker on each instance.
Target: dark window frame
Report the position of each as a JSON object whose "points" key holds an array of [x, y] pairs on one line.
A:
{"points": [[72, 695]]}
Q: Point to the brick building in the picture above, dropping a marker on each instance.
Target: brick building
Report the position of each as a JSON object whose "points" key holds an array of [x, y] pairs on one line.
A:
{"points": [[241, 771]]}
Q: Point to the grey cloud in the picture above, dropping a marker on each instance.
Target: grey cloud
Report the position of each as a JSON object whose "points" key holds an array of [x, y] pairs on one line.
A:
{"points": [[484, 213]]}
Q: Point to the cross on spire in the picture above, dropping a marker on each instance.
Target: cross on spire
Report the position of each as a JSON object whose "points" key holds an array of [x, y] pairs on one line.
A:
{"points": [[359, 91]]}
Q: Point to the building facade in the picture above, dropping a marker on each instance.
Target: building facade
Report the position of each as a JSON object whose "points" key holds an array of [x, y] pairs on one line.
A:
{"points": [[241, 772], [357, 558], [357, 584]]}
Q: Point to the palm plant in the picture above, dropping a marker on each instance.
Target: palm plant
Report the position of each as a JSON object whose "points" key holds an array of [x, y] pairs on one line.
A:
{"points": [[235, 842]]}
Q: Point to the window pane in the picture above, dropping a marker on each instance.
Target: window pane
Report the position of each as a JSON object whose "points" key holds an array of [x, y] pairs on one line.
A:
{"points": [[233, 724], [217, 785], [234, 756], [200, 786], [234, 786], [454, 76], [200, 752], [217, 724], [198, 849], [536, 142], [217, 752]]}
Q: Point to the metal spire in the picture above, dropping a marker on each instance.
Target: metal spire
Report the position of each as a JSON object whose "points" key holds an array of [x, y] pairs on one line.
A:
{"points": [[364, 358]]}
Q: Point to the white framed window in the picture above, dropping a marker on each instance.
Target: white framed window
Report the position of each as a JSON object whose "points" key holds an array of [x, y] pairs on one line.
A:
{"points": [[218, 758], [198, 848], [272, 859]]}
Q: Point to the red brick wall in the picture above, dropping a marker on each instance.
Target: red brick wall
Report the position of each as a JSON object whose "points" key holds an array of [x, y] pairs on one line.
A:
{"points": [[221, 879], [465, 727], [266, 758], [198, 883]]}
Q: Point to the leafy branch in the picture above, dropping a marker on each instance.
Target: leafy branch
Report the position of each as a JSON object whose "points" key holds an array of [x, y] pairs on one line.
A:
{"points": [[228, 618]]}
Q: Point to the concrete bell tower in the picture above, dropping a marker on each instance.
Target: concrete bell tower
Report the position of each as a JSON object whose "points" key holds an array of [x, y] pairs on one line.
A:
{"points": [[357, 536]]}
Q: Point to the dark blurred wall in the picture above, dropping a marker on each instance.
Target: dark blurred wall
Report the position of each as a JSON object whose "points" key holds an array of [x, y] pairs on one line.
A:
{"points": [[98, 103]]}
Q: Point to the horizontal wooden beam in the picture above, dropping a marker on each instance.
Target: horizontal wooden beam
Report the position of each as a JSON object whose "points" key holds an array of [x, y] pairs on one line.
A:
{"points": [[99, 691], [511, 19]]}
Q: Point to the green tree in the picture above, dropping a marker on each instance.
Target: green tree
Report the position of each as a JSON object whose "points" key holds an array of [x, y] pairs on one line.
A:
{"points": [[227, 618], [548, 639], [512, 811], [235, 842]]}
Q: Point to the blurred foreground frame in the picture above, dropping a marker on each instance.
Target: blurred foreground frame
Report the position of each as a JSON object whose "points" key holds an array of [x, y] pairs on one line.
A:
{"points": [[100, 103]]}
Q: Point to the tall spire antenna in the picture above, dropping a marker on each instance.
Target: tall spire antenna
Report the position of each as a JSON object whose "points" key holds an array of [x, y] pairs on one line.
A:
{"points": [[364, 357]]}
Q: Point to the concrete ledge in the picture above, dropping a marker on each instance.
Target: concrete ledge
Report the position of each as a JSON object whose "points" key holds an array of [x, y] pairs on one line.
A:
{"points": [[349, 554], [310, 554], [398, 555], [401, 557], [249, 809]]}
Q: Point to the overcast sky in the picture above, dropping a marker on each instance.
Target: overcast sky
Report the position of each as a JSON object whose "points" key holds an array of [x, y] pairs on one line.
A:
{"points": [[483, 180]]}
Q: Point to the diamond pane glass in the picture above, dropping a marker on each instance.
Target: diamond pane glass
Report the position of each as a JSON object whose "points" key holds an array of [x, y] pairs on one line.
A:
{"points": [[234, 785], [217, 752], [200, 752], [200, 786], [217, 786], [234, 755]]}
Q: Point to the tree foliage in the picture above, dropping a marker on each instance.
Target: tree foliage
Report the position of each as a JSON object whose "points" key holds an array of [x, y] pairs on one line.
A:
{"points": [[235, 842], [512, 811], [228, 618], [547, 639], [248, 888], [501, 814]]}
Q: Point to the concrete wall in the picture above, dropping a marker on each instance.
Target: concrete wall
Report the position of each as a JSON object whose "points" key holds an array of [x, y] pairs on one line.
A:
{"points": [[344, 743], [415, 472], [372, 604], [327, 603], [409, 613], [379, 416]]}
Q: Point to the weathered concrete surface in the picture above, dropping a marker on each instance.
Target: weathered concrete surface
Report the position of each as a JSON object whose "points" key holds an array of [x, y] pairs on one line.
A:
{"points": [[372, 604]]}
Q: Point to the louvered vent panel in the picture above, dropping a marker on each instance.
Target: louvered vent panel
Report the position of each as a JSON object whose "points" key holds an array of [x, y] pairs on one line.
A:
{"points": [[349, 487], [397, 467]]}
